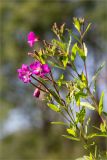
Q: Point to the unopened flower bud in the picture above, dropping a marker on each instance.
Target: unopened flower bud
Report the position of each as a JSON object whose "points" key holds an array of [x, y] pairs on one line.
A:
{"points": [[30, 54], [36, 93], [81, 20]]}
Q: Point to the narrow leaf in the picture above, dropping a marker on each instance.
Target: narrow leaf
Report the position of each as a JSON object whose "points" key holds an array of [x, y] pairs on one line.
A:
{"points": [[88, 105], [72, 138], [65, 60], [71, 131], [77, 24], [97, 72], [96, 135], [59, 123], [73, 52], [100, 109], [88, 27], [53, 107], [85, 49], [105, 113]]}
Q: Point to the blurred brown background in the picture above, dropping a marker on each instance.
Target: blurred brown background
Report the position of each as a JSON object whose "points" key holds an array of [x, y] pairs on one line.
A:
{"points": [[25, 129]]}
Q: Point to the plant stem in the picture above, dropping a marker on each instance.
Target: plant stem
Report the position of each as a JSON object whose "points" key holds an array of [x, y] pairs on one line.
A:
{"points": [[37, 87], [54, 84], [85, 67], [41, 83]]}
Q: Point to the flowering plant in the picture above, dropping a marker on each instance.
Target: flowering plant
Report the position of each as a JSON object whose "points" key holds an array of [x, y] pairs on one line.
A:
{"points": [[79, 93]]}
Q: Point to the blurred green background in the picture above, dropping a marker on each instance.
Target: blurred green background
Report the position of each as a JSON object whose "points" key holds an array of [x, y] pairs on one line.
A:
{"points": [[25, 129]]}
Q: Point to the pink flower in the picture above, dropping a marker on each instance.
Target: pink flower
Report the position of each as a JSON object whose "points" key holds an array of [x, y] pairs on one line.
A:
{"points": [[36, 93], [36, 68], [45, 68], [31, 39], [24, 73], [39, 69]]}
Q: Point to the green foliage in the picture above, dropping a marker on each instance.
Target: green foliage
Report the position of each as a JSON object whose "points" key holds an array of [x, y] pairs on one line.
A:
{"points": [[71, 131], [71, 138], [59, 123], [86, 30], [87, 105], [77, 24], [77, 90], [80, 116], [53, 107], [60, 80], [73, 52], [15, 25], [97, 72], [100, 109]]}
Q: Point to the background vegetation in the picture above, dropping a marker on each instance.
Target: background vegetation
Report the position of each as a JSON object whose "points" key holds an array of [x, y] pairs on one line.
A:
{"points": [[26, 132]]}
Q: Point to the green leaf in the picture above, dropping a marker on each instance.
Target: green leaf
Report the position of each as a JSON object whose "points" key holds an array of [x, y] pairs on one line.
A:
{"points": [[81, 53], [65, 60], [103, 127], [53, 107], [61, 45], [73, 52], [100, 109], [87, 28], [79, 95], [97, 72], [88, 105], [80, 116], [59, 123], [83, 79], [85, 49], [96, 135], [105, 113], [77, 24], [60, 80], [69, 43], [70, 137], [71, 131]]}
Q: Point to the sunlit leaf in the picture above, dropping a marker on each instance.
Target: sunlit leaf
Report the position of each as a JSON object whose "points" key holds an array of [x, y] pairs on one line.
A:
{"points": [[73, 52], [70, 137], [81, 53], [85, 49], [87, 28], [53, 107], [80, 116], [60, 80], [77, 24], [103, 126], [71, 131], [59, 123], [87, 105], [65, 60], [96, 135]]}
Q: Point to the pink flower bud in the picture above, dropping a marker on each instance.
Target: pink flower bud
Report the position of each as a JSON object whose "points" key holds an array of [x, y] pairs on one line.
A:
{"points": [[36, 93], [32, 38]]}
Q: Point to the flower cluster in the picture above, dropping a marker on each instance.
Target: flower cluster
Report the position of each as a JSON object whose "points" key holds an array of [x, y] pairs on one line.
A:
{"points": [[39, 69], [24, 73], [36, 68]]}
